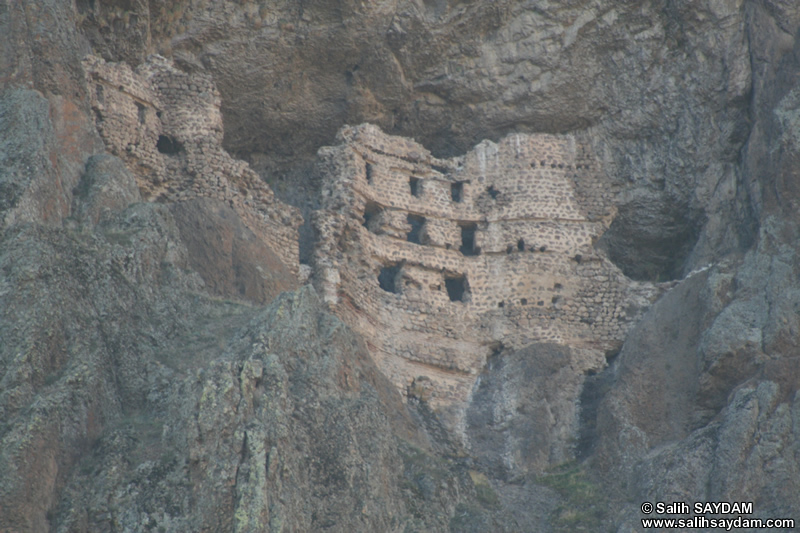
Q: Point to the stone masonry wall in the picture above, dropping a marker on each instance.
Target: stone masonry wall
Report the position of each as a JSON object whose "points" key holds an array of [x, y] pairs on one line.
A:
{"points": [[167, 127], [439, 263]]}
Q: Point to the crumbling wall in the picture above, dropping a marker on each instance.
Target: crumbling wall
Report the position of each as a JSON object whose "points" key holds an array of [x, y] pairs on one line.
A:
{"points": [[167, 127], [438, 263]]}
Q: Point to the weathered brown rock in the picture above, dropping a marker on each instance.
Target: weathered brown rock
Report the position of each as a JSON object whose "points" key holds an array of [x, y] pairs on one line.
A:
{"points": [[231, 259]]}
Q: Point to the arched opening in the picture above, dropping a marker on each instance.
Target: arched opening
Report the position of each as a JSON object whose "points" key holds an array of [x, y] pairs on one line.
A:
{"points": [[168, 145]]}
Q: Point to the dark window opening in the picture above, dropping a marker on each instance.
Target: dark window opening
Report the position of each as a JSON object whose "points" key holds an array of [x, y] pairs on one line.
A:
{"points": [[468, 240], [501, 304], [558, 286], [456, 288], [509, 249], [540, 302], [578, 258], [543, 248], [169, 146], [142, 112], [99, 90], [370, 172], [492, 192], [457, 191], [387, 278], [413, 184], [524, 301], [415, 235], [370, 212], [521, 245], [158, 114]]}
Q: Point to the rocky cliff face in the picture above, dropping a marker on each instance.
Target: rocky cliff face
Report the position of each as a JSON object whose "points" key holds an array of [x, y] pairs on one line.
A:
{"points": [[145, 384]]}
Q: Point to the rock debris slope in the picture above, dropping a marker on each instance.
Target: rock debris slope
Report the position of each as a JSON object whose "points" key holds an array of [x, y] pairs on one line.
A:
{"points": [[155, 159]]}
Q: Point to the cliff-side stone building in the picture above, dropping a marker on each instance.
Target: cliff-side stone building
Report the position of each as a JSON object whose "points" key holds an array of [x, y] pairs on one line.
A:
{"points": [[441, 263], [166, 125]]}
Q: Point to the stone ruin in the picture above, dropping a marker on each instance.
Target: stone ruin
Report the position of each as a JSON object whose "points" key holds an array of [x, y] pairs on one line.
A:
{"points": [[166, 125], [437, 263], [441, 263]]}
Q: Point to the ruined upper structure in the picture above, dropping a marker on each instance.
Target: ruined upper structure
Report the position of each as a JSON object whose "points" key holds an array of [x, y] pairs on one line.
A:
{"points": [[439, 263], [167, 127]]}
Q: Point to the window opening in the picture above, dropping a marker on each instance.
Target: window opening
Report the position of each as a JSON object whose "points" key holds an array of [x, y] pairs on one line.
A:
{"points": [[413, 184], [492, 192], [521, 245], [387, 279], [370, 212], [169, 146], [456, 288], [457, 191], [468, 240], [416, 223], [142, 111], [370, 173]]}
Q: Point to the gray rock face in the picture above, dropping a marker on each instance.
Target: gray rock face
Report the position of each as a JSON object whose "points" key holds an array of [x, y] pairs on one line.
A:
{"points": [[523, 414], [132, 401], [232, 261], [106, 187]]}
